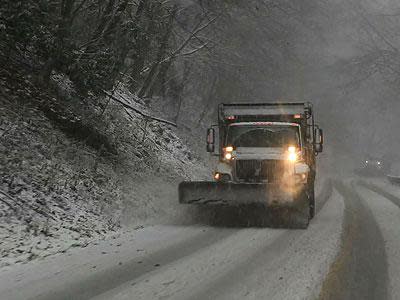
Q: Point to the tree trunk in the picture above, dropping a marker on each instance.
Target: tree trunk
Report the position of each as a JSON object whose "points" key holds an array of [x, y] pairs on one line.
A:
{"points": [[207, 101], [180, 90], [104, 20], [56, 57], [141, 44], [152, 76]]}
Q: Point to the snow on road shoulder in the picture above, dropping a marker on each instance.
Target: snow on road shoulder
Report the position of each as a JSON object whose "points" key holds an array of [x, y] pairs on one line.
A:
{"points": [[387, 216]]}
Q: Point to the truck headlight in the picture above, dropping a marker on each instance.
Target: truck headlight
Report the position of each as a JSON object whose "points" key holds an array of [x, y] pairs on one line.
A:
{"points": [[291, 149], [220, 177], [228, 152], [292, 154], [293, 157]]}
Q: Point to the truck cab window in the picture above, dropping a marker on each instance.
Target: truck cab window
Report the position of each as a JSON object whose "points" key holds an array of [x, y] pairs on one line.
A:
{"points": [[263, 136]]}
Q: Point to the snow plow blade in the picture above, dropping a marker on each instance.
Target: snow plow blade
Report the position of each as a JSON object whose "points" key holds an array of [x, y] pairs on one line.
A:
{"points": [[216, 193]]}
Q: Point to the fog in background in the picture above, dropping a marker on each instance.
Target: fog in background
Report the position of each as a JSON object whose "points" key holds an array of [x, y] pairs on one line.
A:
{"points": [[341, 55]]}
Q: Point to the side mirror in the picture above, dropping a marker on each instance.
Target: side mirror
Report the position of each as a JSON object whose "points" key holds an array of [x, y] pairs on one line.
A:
{"points": [[319, 140], [210, 140]]}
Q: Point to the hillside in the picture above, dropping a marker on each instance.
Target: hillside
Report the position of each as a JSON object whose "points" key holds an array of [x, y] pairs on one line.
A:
{"points": [[61, 188]]}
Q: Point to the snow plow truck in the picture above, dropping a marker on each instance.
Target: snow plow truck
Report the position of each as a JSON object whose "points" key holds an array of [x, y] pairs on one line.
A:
{"points": [[266, 156]]}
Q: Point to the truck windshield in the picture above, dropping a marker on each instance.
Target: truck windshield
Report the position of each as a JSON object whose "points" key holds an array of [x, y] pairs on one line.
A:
{"points": [[263, 136]]}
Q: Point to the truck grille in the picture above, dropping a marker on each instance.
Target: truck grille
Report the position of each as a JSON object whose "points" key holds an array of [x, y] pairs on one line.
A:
{"points": [[259, 170]]}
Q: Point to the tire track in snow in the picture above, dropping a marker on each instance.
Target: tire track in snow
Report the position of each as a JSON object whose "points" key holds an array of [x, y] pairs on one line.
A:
{"points": [[245, 268], [184, 276], [387, 215], [270, 256], [108, 279], [373, 187], [360, 270]]}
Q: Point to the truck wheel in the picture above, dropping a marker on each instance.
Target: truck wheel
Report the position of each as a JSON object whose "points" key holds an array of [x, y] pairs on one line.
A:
{"points": [[301, 216], [312, 201]]}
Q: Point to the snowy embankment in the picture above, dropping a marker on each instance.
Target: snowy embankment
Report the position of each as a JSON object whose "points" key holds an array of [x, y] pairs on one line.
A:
{"points": [[58, 192]]}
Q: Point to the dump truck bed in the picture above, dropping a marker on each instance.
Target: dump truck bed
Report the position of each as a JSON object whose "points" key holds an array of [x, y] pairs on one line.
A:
{"points": [[263, 109]]}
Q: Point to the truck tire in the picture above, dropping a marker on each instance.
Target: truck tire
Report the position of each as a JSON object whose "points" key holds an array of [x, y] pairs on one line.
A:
{"points": [[295, 217], [301, 216], [312, 201]]}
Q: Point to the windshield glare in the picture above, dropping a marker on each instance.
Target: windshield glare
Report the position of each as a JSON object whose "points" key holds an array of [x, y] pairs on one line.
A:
{"points": [[263, 136]]}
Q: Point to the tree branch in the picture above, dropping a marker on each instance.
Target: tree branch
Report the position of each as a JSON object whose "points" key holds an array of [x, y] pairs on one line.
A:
{"points": [[126, 105]]}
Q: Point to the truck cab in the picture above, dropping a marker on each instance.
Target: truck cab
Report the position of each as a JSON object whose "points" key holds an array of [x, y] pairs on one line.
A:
{"points": [[264, 153], [260, 152]]}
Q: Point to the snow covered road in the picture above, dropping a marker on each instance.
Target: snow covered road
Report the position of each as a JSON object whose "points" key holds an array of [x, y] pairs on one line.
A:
{"points": [[350, 251]]}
